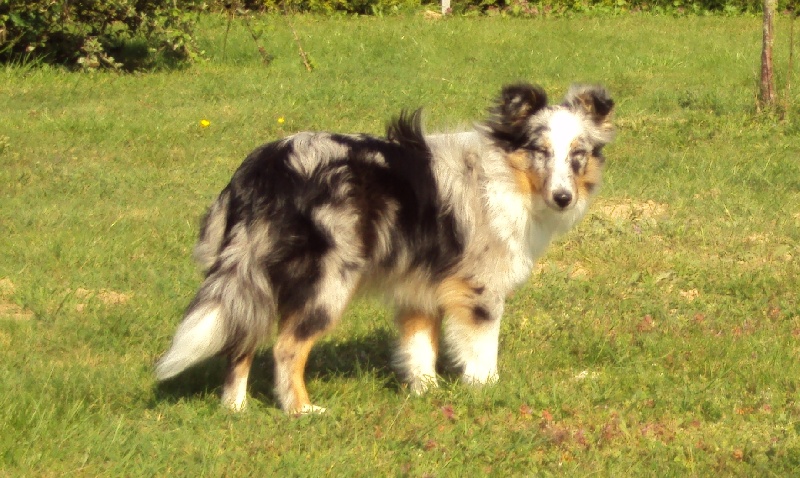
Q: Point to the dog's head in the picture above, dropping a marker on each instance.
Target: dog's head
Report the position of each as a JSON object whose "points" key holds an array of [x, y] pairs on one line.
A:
{"points": [[555, 151]]}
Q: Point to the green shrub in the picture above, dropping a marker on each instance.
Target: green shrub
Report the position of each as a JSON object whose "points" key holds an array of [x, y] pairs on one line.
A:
{"points": [[129, 34], [544, 7], [326, 7], [509, 7]]}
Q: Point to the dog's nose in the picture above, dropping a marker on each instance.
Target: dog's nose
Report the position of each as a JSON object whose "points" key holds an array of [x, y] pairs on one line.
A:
{"points": [[562, 198]]}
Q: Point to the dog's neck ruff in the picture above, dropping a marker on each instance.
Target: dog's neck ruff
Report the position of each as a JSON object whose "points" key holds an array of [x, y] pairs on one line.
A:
{"points": [[524, 222]]}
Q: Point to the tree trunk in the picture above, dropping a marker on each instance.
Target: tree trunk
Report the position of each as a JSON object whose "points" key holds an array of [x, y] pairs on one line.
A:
{"points": [[766, 98]]}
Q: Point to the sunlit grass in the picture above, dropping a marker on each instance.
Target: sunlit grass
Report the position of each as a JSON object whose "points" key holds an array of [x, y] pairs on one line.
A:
{"points": [[659, 338]]}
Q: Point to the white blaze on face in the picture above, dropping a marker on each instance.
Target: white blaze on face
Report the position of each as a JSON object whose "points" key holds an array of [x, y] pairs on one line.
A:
{"points": [[564, 127]]}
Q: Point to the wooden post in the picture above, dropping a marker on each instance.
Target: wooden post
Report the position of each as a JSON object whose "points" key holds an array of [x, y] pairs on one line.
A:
{"points": [[445, 7], [787, 92], [766, 97]]}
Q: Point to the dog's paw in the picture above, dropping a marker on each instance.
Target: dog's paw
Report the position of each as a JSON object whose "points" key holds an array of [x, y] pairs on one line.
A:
{"points": [[485, 378], [309, 409], [420, 385], [235, 404]]}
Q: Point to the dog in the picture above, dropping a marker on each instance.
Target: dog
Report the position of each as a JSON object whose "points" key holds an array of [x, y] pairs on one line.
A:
{"points": [[444, 226]]}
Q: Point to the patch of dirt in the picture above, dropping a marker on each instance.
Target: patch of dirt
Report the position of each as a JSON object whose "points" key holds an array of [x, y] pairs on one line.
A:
{"points": [[758, 238], [8, 309], [105, 296], [431, 15], [630, 210], [574, 270], [7, 287]]}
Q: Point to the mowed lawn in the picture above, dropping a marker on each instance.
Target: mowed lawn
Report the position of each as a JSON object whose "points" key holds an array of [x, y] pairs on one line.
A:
{"points": [[659, 338]]}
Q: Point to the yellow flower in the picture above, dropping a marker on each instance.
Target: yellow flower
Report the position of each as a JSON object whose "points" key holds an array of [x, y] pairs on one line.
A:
{"points": [[281, 120], [204, 123]]}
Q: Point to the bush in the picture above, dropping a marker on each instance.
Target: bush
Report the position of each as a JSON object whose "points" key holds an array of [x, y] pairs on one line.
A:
{"points": [[509, 7], [325, 7], [555, 7], [129, 34], [142, 34]]}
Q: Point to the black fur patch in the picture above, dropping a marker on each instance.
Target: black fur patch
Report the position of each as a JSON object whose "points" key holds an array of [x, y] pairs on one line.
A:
{"points": [[576, 166], [399, 172], [508, 118], [590, 187], [315, 321], [406, 130], [593, 100], [481, 314], [597, 152]]}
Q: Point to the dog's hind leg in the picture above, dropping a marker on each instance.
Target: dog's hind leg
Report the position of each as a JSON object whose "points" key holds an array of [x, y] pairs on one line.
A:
{"points": [[234, 392], [291, 352], [299, 331], [417, 350]]}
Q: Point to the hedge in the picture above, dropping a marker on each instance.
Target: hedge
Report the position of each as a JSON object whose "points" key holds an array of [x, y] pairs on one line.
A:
{"points": [[95, 33], [140, 34]]}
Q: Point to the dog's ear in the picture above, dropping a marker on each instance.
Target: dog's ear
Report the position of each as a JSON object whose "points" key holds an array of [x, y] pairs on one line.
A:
{"points": [[516, 104], [593, 100], [519, 102]]}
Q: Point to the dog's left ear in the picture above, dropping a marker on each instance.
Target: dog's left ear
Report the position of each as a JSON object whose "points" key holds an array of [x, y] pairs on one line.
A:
{"points": [[516, 104], [593, 100]]}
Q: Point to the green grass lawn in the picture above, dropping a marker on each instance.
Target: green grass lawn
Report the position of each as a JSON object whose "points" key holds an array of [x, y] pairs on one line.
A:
{"points": [[659, 338]]}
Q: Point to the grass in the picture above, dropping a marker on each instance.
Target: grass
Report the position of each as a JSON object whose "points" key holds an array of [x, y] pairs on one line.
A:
{"points": [[661, 337]]}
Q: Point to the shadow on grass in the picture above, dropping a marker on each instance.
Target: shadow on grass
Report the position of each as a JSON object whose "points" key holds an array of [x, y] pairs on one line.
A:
{"points": [[351, 358]]}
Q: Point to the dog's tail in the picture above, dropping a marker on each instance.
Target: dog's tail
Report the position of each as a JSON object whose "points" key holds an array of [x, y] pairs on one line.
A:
{"points": [[234, 308], [201, 335], [212, 231]]}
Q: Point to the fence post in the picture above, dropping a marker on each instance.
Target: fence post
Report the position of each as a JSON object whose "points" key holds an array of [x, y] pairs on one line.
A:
{"points": [[766, 96]]}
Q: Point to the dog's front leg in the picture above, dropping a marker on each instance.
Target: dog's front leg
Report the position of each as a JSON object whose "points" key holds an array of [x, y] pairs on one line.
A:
{"points": [[417, 350], [472, 336]]}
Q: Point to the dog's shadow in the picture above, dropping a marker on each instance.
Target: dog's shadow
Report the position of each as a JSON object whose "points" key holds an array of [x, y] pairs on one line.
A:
{"points": [[354, 357]]}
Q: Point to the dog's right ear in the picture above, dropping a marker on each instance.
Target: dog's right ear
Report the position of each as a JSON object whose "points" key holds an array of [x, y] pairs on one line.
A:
{"points": [[510, 114], [593, 100]]}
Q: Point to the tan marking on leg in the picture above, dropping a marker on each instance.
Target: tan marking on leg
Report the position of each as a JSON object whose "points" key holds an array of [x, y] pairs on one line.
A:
{"points": [[458, 296], [291, 356], [418, 348], [411, 323]]}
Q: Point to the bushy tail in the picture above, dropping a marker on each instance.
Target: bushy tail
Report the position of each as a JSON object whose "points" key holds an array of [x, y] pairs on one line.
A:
{"points": [[201, 335], [234, 307], [212, 231]]}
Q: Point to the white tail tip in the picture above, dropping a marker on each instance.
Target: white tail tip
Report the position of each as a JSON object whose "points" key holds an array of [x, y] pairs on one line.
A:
{"points": [[201, 335]]}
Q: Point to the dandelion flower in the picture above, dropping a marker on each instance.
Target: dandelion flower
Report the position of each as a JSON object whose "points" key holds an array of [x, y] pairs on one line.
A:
{"points": [[281, 120], [204, 123]]}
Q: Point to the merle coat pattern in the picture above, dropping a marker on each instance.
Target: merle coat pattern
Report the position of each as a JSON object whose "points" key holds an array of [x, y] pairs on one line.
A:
{"points": [[444, 226]]}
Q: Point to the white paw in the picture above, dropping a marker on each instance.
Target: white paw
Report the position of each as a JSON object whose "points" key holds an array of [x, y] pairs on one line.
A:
{"points": [[482, 378], [235, 404], [309, 409], [420, 385]]}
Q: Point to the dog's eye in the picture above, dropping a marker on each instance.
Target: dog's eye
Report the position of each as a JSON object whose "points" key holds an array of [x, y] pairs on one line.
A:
{"points": [[577, 160], [537, 150], [578, 154]]}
